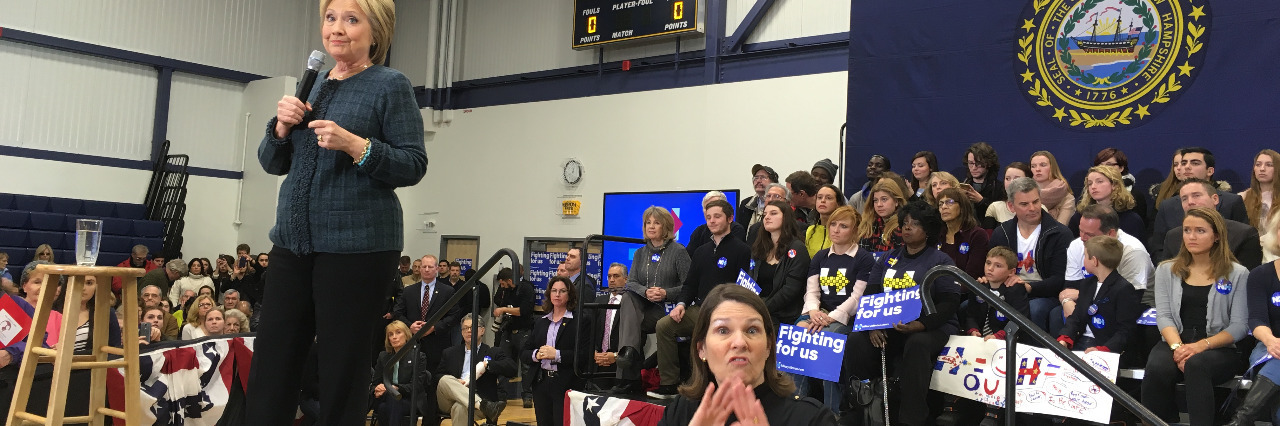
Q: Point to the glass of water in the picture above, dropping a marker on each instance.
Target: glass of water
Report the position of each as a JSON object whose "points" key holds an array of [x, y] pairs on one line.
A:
{"points": [[88, 237]]}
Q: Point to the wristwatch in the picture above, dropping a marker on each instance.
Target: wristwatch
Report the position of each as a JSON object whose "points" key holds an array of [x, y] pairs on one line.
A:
{"points": [[1068, 299], [1175, 346]]}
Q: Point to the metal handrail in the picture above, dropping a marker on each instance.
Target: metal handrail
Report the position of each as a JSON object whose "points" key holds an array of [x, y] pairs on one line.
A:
{"points": [[580, 364], [460, 292], [1019, 323]]}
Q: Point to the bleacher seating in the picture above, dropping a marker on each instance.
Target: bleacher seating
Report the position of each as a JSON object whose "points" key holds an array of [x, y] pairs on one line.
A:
{"points": [[26, 221]]}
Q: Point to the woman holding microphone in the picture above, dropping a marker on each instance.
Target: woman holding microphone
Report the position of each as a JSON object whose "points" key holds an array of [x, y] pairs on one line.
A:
{"points": [[339, 229]]}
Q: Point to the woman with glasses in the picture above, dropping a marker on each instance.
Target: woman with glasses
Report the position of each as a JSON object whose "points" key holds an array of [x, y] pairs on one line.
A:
{"points": [[194, 328], [982, 184], [962, 239], [551, 349]]}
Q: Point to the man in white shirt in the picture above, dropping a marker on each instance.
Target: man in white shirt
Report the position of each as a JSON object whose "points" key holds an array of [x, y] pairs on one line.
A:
{"points": [[1135, 265]]}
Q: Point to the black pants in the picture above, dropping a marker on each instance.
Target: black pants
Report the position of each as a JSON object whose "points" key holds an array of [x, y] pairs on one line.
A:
{"points": [[512, 341], [1203, 371], [912, 356], [548, 397], [332, 299]]}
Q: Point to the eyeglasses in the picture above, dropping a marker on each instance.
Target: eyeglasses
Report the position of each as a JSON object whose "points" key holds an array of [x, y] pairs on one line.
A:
{"points": [[972, 163], [558, 291], [947, 201], [756, 178], [205, 305]]}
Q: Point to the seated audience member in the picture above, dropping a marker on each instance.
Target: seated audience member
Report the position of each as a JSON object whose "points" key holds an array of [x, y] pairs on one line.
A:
{"points": [[826, 201], [895, 178], [454, 374], [11, 361], [1055, 193], [939, 181], [221, 275], [415, 276], [392, 410], [85, 320], [982, 184], [911, 348], [713, 264], [1169, 187], [1135, 264], [1196, 163], [878, 229], [751, 209], [982, 319], [1116, 160], [168, 307], [31, 288], [184, 303], [150, 298], [207, 290], [1242, 239], [962, 239], [658, 272], [6, 278], [923, 164], [163, 278], [735, 372], [1201, 311], [825, 172], [552, 349], [781, 264], [513, 303], [1103, 186], [1041, 245], [235, 322], [1264, 322], [1260, 199], [702, 236], [404, 266], [45, 252], [1108, 311], [837, 278], [137, 259], [433, 293], [215, 323], [775, 192], [803, 188], [194, 328], [153, 317], [999, 212]]}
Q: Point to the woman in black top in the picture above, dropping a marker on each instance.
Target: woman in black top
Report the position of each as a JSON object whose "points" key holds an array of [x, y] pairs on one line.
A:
{"points": [[391, 410], [780, 263], [551, 350], [911, 348], [1264, 320], [735, 376], [982, 185]]}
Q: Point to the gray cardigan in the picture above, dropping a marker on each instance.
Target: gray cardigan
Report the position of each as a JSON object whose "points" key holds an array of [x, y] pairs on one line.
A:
{"points": [[326, 203], [669, 272], [1228, 312]]}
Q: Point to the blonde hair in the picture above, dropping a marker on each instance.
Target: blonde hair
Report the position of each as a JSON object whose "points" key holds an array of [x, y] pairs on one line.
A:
{"points": [[395, 325], [1253, 195], [663, 217], [868, 224], [382, 25], [1054, 171], [844, 213], [1121, 198], [942, 176], [194, 317], [1219, 254]]}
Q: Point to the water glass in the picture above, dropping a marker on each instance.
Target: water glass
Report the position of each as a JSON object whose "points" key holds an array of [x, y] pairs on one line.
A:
{"points": [[88, 237]]}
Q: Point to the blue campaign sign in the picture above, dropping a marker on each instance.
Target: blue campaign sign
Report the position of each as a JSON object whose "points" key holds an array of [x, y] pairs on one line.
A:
{"points": [[542, 266], [819, 355], [1148, 317], [880, 311], [745, 280], [466, 264]]}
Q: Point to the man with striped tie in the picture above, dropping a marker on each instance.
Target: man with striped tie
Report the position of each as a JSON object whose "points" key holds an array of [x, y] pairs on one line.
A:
{"points": [[421, 300]]}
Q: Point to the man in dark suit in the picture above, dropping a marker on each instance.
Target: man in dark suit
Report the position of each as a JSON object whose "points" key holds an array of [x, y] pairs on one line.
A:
{"points": [[409, 309], [1196, 163], [1242, 239], [455, 369], [604, 338], [573, 266]]}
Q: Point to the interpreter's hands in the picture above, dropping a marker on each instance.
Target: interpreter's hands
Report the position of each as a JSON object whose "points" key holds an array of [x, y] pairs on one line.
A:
{"points": [[878, 338], [379, 390], [289, 112], [746, 407], [677, 313], [908, 328], [417, 325], [333, 137], [714, 409]]}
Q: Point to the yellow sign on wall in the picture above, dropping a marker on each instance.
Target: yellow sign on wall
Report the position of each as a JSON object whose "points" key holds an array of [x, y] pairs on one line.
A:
{"points": [[570, 207]]}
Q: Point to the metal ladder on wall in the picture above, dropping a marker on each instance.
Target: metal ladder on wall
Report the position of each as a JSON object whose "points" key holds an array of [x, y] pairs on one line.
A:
{"points": [[166, 199]]}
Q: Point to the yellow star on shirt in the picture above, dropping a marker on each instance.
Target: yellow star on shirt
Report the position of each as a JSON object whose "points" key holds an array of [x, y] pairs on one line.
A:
{"points": [[1142, 111], [1196, 13], [1185, 68], [1059, 113], [1028, 25], [1026, 76]]}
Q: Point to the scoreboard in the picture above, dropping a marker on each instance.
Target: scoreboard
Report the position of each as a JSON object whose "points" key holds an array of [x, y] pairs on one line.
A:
{"points": [[600, 22]]}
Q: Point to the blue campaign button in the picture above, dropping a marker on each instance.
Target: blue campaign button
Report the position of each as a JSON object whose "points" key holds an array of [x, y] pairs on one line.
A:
{"points": [[1093, 309], [753, 264], [1275, 299], [1000, 316], [1223, 286], [1099, 322], [722, 262], [656, 257], [964, 248]]}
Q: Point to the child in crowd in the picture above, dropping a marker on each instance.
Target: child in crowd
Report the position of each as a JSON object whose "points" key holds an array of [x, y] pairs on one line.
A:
{"points": [[1107, 312], [981, 318]]}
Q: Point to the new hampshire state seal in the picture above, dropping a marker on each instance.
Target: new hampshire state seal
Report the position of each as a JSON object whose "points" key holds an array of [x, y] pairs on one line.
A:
{"points": [[1108, 64]]}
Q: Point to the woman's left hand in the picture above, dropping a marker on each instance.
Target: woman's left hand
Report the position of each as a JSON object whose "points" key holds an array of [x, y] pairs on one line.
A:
{"points": [[1185, 352], [333, 137], [746, 407], [973, 194]]}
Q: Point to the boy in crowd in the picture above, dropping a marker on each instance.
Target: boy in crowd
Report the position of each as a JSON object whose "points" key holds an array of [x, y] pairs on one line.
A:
{"points": [[982, 319], [1108, 308]]}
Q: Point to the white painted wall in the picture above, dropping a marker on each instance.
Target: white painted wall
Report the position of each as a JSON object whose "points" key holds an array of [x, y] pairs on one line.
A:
{"points": [[496, 172]]}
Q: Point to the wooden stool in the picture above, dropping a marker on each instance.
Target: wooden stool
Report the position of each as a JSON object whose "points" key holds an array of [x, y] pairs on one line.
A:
{"points": [[64, 359]]}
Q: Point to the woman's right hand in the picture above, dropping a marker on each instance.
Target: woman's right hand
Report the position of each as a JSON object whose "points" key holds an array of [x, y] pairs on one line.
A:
{"points": [[289, 112], [1273, 348], [878, 338], [379, 390], [714, 408]]}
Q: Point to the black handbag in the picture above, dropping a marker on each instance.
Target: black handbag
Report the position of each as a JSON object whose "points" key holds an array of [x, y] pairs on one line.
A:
{"points": [[867, 401]]}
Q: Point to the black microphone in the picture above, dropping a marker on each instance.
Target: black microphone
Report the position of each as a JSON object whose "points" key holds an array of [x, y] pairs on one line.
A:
{"points": [[314, 63]]}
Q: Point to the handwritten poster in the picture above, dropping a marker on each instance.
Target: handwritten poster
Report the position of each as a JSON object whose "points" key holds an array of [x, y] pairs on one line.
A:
{"points": [[969, 367]]}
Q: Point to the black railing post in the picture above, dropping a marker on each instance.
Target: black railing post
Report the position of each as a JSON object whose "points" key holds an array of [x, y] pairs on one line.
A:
{"points": [[1034, 332], [1010, 372]]}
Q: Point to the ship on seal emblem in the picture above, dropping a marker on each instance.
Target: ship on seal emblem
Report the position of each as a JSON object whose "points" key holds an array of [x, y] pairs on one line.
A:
{"points": [[1107, 64]]}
